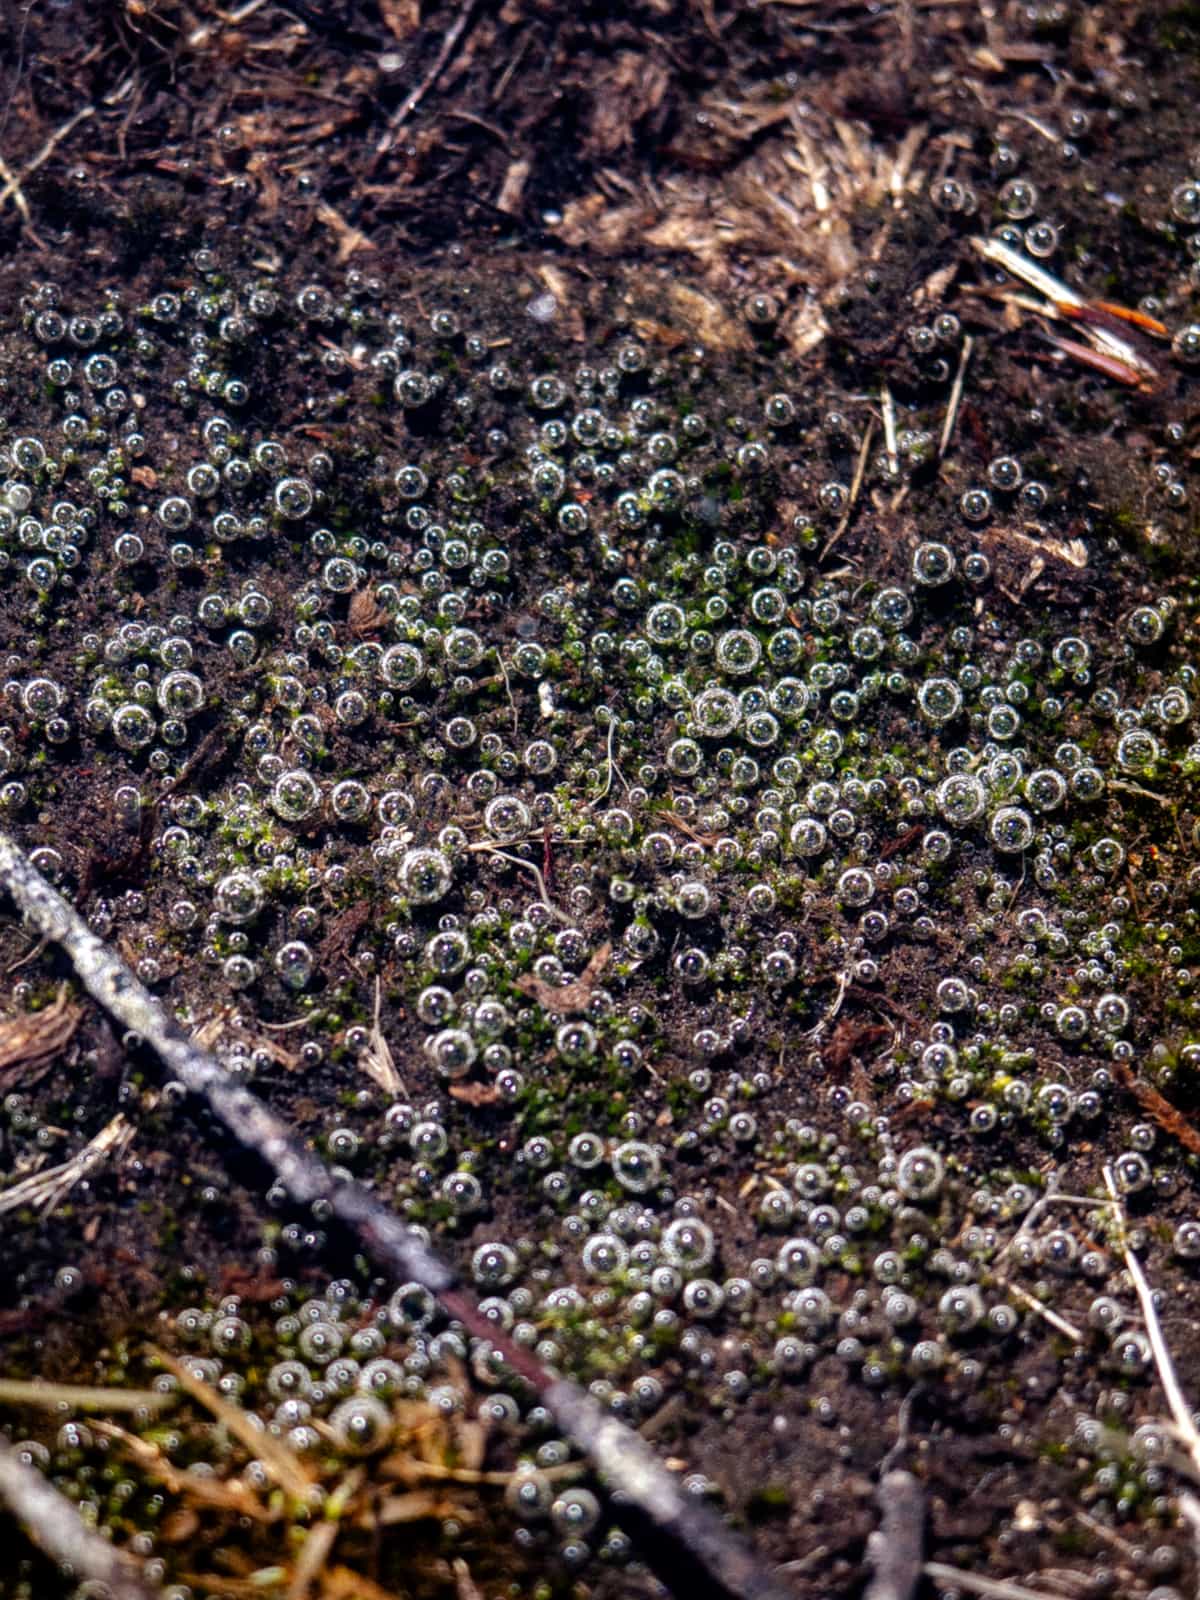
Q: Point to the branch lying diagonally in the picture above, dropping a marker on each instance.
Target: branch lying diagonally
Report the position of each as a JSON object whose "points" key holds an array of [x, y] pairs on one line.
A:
{"points": [[687, 1542], [56, 1527]]}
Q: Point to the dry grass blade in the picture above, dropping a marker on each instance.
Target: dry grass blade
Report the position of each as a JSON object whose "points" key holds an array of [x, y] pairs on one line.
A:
{"points": [[289, 1472], [79, 1397], [377, 1060], [314, 1552], [221, 1494], [419, 1505], [48, 1189], [31, 1041], [975, 1583]]}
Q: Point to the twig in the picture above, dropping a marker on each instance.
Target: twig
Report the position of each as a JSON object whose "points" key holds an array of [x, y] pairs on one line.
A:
{"points": [[413, 100], [889, 430], [956, 394], [81, 1397], [532, 867], [56, 1527], [894, 1549], [12, 187], [1095, 317], [856, 483], [377, 1060], [1031, 1303], [201, 35], [1181, 1412], [975, 1583], [1169, 1118], [687, 1542], [512, 704]]}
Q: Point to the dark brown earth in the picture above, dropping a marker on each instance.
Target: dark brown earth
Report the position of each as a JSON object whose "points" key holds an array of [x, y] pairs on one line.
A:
{"points": [[645, 170]]}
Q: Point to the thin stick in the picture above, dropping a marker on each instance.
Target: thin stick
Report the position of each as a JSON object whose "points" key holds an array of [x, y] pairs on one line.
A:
{"points": [[413, 100], [13, 186], [611, 764], [687, 1542], [529, 866], [856, 482], [49, 1189], [889, 431], [1181, 1412], [512, 704], [894, 1549], [81, 1397], [1035, 1305], [956, 394], [56, 1527]]}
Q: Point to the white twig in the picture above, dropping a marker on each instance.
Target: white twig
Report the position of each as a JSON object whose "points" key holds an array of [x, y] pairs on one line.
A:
{"points": [[49, 1189], [1181, 1412], [512, 704], [1031, 1303], [377, 1060], [610, 765], [889, 431], [956, 394], [894, 1548], [975, 1583], [56, 1527], [1058, 294], [13, 187], [529, 866]]}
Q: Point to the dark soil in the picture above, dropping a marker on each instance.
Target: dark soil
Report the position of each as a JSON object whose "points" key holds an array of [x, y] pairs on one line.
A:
{"points": [[753, 199]]}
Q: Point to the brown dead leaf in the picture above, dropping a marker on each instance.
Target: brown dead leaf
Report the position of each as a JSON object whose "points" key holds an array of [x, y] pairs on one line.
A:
{"points": [[572, 996], [365, 615], [32, 1041], [850, 1038], [401, 18]]}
